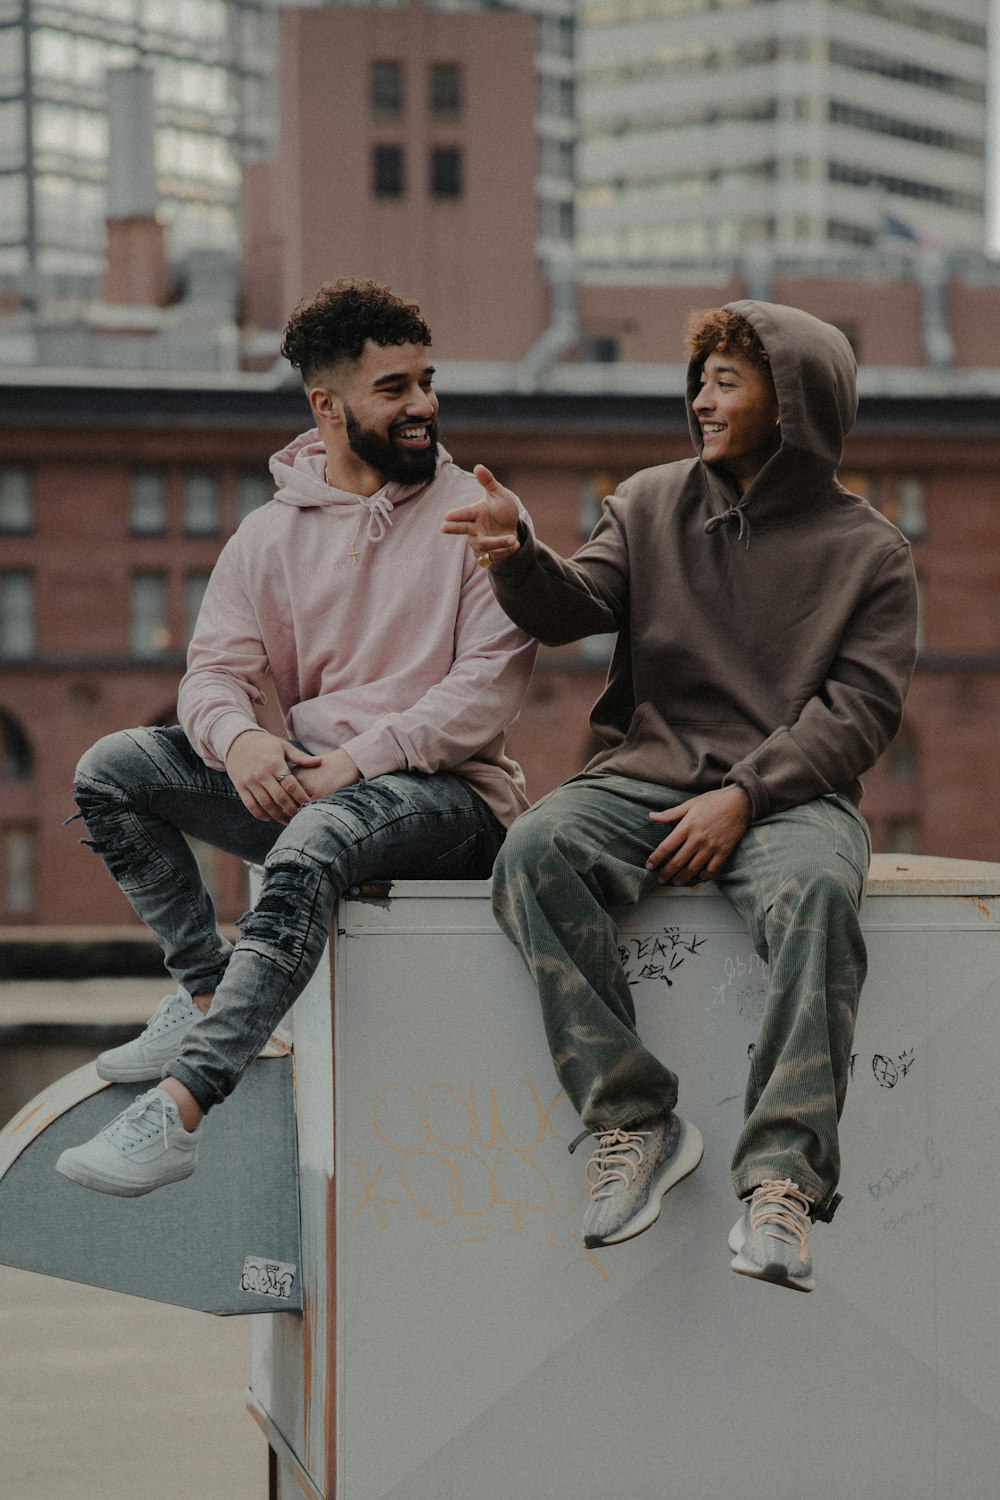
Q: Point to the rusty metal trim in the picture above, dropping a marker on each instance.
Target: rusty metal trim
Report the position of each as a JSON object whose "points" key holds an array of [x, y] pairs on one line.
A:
{"points": [[280, 1446]]}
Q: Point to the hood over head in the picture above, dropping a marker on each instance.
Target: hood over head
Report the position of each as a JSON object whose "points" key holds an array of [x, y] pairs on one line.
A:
{"points": [[815, 379], [299, 474]]}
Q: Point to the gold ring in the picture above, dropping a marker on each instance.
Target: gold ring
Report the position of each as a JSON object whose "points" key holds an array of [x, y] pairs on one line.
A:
{"points": [[485, 560]]}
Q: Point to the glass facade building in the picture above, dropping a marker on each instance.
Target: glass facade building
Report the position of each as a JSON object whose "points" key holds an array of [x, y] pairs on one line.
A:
{"points": [[213, 64], [709, 127]]}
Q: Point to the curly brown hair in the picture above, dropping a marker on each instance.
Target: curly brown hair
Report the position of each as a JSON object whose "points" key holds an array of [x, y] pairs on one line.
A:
{"points": [[333, 327], [716, 331]]}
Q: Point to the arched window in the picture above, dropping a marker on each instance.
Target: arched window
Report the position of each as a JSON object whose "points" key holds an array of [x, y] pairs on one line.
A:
{"points": [[17, 760]]}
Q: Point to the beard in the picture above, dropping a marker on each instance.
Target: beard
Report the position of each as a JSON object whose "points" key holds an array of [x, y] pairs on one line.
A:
{"points": [[397, 464]]}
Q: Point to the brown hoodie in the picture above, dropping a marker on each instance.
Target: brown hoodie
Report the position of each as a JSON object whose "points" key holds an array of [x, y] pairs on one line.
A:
{"points": [[764, 640]]}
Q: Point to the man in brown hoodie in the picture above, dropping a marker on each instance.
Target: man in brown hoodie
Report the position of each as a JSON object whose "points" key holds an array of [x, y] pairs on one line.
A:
{"points": [[766, 624]]}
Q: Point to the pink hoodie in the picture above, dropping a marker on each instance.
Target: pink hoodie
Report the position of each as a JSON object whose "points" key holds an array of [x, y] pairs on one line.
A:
{"points": [[403, 659]]}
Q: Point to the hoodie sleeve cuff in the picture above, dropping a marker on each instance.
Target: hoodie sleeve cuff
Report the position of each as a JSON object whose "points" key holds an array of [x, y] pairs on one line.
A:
{"points": [[514, 568], [226, 730], [749, 782], [375, 753]]}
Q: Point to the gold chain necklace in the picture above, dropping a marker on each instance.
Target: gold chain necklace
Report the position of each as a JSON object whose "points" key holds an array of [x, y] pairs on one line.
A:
{"points": [[354, 553]]}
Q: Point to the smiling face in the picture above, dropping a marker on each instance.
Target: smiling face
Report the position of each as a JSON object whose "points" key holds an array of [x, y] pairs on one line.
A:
{"points": [[737, 411], [378, 418]]}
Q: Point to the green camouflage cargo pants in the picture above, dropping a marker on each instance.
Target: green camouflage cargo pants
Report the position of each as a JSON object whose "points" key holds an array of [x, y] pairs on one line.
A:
{"points": [[796, 879]]}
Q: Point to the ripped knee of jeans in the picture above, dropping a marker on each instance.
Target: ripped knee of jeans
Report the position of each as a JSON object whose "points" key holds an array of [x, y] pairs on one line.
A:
{"points": [[279, 926], [112, 834]]}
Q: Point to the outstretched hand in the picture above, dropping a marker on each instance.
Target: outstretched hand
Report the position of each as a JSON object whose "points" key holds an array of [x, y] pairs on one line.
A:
{"points": [[705, 833], [490, 525]]}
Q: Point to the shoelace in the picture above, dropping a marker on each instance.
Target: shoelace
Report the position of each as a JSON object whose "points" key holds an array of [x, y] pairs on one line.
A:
{"points": [[126, 1130], [164, 1014], [617, 1159], [782, 1206]]}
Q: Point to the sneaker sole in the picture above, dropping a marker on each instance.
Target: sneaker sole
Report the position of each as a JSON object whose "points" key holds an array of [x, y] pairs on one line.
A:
{"points": [[117, 1188], [149, 1072], [775, 1273], [690, 1150]]}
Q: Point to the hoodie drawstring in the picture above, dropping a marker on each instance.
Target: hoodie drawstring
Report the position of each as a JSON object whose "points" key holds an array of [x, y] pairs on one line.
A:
{"points": [[734, 513], [379, 515]]}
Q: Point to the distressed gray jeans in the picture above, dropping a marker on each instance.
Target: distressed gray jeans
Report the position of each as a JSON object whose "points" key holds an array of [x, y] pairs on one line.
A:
{"points": [[141, 790], [796, 879]]}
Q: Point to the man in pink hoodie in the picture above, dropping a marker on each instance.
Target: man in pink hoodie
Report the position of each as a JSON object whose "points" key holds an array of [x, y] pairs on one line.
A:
{"points": [[397, 674]]}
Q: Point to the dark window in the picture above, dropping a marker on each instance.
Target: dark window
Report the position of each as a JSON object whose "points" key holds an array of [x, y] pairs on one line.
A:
{"points": [[445, 90], [906, 506], [18, 868], [602, 349], [252, 490], [147, 502], [17, 614], [201, 504], [17, 763], [15, 500], [387, 88], [387, 172], [446, 172], [148, 630], [902, 759]]}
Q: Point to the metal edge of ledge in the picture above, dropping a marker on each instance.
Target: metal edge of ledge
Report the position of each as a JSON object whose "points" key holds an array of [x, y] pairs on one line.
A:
{"points": [[890, 875], [281, 1447]]}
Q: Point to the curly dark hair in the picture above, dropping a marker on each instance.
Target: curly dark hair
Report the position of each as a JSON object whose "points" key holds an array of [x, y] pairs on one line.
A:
{"points": [[716, 331], [333, 327]]}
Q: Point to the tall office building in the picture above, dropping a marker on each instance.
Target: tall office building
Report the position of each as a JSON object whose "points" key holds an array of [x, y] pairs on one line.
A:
{"points": [[212, 63], [714, 126]]}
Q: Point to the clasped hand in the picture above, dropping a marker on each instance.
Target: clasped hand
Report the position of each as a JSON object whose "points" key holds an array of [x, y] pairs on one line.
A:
{"points": [[275, 778], [706, 830]]}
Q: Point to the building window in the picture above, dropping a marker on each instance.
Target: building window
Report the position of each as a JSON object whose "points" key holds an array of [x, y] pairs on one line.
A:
{"points": [[201, 505], [602, 350], [17, 614], [594, 488], [20, 849], [904, 835], [15, 501], [557, 222], [445, 90], [901, 758], [17, 762], [195, 585], [147, 502], [387, 172], [149, 633], [252, 490], [906, 507], [446, 172], [387, 88]]}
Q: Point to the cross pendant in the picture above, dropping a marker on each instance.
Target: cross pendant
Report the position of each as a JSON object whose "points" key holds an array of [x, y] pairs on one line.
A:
{"points": [[355, 554]]}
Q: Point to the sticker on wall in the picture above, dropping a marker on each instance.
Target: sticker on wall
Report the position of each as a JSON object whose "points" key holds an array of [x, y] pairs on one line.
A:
{"points": [[270, 1278]]}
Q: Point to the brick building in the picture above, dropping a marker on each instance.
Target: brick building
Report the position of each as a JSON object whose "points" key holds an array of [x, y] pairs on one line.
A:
{"points": [[115, 498]]}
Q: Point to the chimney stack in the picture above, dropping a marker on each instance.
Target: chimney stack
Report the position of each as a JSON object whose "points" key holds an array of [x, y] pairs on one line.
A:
{"points": [[137, 273]]}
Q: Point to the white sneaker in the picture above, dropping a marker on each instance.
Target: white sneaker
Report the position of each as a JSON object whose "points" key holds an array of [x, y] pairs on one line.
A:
{"points": [[146, 1056], [143, 1148]]}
